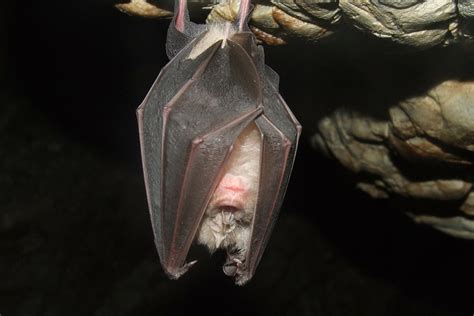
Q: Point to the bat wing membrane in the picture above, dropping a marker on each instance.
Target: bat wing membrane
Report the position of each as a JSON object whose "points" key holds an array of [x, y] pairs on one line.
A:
{"points": [[176, 40], [187, 135], [281, 132], [173, 78]]}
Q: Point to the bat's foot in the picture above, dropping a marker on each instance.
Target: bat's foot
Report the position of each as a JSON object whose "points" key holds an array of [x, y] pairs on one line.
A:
{"points": [[232, 266], [235, 267]]}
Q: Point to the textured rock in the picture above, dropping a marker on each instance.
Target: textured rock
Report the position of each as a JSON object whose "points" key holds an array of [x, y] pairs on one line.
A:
{"points": [[414, 22], [424, 150], [417, 24], [456, 226], [466, 8], [276, 23], [468, 205], [438, 125], [144, 9], [466, 11]]}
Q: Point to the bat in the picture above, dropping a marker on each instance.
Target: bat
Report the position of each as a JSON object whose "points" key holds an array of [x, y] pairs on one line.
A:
{"points": [[218, 144]]}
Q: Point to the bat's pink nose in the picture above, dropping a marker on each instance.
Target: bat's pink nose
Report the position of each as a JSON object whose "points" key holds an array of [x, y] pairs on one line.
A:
{"points": [[234, 188], [232, 191]]}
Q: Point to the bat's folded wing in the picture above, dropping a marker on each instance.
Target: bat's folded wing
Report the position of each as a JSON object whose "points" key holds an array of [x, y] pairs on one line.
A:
{"points": [[188, 123], [281, 132]]}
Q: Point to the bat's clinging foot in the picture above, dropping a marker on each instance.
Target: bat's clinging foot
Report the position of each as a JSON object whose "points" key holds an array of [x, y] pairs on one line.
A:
{"points": [[234, 263]]}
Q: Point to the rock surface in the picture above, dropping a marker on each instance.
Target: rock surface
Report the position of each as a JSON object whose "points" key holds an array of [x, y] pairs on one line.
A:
{"points": [[417, 24], [423, 151]]}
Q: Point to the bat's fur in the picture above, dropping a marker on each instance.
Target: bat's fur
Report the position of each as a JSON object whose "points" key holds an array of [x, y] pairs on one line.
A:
{"points": [[216, 32], [228, 218]]}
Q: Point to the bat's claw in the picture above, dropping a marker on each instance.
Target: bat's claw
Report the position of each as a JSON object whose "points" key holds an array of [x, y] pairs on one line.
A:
{"points": [[235, 267], [229, 269], [232, 266]]}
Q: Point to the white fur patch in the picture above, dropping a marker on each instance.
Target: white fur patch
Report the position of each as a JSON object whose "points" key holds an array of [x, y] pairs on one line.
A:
{"points": [[228, 217], [215, 33]]}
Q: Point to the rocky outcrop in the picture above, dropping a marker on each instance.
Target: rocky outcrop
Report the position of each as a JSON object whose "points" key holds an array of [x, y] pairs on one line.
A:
{"points": [[418, 24], [421, 155]]}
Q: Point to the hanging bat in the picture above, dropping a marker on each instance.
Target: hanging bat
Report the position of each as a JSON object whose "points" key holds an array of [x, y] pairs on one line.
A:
{"points": [[218, 144]]}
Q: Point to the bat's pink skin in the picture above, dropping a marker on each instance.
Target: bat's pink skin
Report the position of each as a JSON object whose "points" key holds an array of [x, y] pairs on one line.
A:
{"points": [[243, 13], [180, 15], [232, 191]]}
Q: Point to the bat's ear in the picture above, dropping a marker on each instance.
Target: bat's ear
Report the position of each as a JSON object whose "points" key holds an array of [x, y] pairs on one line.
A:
{"points": [[181, 31]]}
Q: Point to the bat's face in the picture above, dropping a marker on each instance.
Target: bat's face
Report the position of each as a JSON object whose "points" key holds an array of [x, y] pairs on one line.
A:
{"points": [[228, 218]]}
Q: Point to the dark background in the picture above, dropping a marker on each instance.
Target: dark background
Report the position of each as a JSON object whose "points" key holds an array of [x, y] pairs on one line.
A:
{"points": [[75, 237]]}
